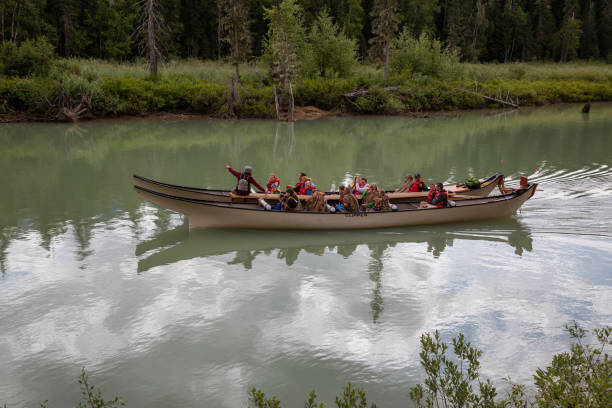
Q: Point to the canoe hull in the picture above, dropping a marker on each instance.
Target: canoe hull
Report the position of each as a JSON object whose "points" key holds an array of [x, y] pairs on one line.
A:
{"points": [[219, 215]]}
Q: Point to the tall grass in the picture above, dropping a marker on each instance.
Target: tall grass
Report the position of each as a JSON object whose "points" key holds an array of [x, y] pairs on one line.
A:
{"points": [[221, 72], [538, 71]]}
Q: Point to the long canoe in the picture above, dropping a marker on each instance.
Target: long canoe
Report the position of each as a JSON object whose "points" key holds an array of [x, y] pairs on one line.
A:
{"points": [[195, 193], [211, 214]]}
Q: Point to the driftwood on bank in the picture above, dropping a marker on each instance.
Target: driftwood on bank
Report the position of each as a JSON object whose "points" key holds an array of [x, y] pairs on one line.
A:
{"points": [[514, 105], [366, 92], [64, 109]]}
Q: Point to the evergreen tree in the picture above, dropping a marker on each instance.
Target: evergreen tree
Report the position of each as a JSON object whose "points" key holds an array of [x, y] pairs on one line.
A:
{"points": [[285, 43], [419, 16], [466, 22], [351, 16], [604, 28], [544, 29], [509, 33], [235, 21], [103, 30], [330, 50], [384, 26], [24, 19], [567, 39], [589, 44]]}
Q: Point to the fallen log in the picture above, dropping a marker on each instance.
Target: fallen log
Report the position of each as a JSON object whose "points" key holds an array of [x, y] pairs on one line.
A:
{"points": [[514, 105], [366, 92]]}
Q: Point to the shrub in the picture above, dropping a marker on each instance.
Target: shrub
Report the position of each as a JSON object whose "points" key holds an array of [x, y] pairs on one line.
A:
{"points": [[329, 50], [423, 56], [30, 58]]}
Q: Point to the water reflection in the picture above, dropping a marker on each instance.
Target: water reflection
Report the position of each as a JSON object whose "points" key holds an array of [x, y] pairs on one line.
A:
{"points": [[180, 243]]}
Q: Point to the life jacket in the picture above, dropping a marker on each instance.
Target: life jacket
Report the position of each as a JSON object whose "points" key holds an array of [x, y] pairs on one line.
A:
{"points": [[244, 185], [273, 186], [442, 195], [306, 187], [292, 201], [414, 187], [421, 184], [431, 196]]}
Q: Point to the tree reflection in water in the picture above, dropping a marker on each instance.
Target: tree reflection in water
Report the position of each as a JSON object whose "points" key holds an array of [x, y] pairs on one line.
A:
{"points": [[179, 244]]}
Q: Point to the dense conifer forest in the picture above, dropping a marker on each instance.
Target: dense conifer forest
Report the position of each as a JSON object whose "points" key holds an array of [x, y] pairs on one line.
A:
{"points": [[481, 30]]}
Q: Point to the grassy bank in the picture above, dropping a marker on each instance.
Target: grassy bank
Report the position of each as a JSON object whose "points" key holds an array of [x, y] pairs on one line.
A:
{"points": [[202, 87]]}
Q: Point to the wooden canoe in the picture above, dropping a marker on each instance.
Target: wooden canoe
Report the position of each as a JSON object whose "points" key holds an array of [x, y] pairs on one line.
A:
{"points": [[211, 214], [195, 193]]}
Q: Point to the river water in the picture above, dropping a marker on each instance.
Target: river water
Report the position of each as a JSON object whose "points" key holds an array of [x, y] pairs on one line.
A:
{"points": [[163, 316]]}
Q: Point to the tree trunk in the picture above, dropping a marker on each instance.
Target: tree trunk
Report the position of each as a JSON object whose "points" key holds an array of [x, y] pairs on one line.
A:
{"points": [[387, 49], [219, 29], [66, 26], [151, 37]]}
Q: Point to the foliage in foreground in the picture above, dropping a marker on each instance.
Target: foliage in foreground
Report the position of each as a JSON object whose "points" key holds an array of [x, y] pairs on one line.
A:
{"points": [[579, 377]]}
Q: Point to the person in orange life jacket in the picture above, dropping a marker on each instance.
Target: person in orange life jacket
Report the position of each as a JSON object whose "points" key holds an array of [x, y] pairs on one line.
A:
{"points": [[418, 183], [244, 180], [273, 186]]}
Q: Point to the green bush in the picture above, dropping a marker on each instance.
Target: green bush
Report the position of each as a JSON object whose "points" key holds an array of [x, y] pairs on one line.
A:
{"points": [[30, 95], [30, 58], [423, 56]]}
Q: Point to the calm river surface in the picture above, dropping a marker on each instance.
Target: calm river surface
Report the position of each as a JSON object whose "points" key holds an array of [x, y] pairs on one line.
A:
{"points": [[163, 316]]}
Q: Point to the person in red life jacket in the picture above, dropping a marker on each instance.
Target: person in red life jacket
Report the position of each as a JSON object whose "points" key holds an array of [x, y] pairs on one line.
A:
{"points": [[418, 183], [432, 193], [300, 183], [244, 180], [273, 185], [440, 199], [437, 197]]}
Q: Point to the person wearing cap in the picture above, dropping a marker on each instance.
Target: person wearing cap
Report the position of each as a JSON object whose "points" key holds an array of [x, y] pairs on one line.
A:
{"points": [[419, 183], [244, 180]]}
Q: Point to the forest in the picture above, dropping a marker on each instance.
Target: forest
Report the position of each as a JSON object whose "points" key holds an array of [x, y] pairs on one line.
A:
{"points": [[481, 30], [69, 59]]}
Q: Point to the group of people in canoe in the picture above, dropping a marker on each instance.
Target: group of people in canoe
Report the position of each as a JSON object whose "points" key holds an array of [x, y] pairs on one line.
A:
{"points": [[372, 197]]}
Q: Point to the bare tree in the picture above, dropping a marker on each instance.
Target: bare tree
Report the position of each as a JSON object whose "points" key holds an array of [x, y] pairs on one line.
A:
{"points": [[149, 30]]}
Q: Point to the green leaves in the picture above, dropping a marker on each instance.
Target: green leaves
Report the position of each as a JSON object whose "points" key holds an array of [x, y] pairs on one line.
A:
{"points": [[329, 50]]}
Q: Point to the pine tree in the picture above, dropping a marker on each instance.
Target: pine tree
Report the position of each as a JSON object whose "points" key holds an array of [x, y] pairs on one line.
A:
{"points": [[544, 29], [419, 16], [235, 21], [351, 16], [330, 49], [384, 26], [285, 45], [604, 28], [466, 22], [589, 44], [568, 37]]}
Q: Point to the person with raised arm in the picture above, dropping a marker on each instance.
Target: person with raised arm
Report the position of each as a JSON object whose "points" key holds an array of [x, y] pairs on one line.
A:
{"points": [[244, 180]]}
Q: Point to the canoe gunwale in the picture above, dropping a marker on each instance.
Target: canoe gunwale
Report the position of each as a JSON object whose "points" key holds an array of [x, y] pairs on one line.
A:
{"points": [[225, 193]]}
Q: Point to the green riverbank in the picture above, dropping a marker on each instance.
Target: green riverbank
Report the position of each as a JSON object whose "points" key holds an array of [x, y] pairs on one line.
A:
{"points": [[100, 90]]}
